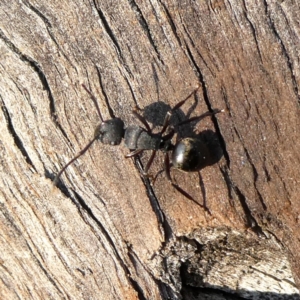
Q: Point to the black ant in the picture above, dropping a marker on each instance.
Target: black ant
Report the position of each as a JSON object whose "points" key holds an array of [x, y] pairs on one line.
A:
{"points": [[189, 154]]}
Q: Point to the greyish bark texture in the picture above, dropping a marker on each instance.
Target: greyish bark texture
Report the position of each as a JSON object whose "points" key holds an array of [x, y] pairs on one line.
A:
{"points": [[107, 232]]}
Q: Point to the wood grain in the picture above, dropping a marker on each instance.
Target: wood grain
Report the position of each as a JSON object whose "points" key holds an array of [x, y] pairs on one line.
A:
{"points": [[105, 232]]}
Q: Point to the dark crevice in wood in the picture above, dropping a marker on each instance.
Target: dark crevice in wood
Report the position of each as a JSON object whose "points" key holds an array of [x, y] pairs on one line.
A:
{"points": [[15, 136], [203, 191], [221, 139], [144, 25], [44, 269], [195, 48], [265, 273], [225, 99], [27, 96], [265, 169], [253, 30], [162, 221], [276, 238], [166, 292], [48, 26], [284, 50], [9, 219], [112, 36], [38, 13], [35, 66], [254, 171], [84, 206], [251, 222], [156, 80], [225, 173], [108, 29], [136, 264], [110, 110], [172, 24], [130, 89], [255, 179]]}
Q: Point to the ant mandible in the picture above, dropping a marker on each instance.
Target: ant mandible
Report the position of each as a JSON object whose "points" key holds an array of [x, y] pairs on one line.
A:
{"points": [[189, 154]]}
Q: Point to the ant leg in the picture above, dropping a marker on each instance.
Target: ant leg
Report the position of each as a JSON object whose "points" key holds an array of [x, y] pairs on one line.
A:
{"points": [[169, 135], [169, 113], [149, 163], [199, 118], [142, 120], [203, 191], [94, 100], [134, 153], [55, 181], [155, 177], [178, 188]]}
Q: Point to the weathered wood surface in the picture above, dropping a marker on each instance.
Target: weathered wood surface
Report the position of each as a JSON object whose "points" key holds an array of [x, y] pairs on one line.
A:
{"points": [[105, 233]]}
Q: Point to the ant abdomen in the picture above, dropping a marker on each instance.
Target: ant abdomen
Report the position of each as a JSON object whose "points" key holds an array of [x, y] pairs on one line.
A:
{"points": [[190, 155]]}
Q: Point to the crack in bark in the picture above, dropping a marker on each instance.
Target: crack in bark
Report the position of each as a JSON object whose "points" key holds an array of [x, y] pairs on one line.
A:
{"points": [[251, 221], [254, 171], [197, 51], [255, 179], [83, 206], [142, 21], [172, 24], [108, 29], [17, 139], [253, 30], [222, 141], [110, 110], [22, 238], [111, 35], [224, 171], [130, 89], [284, 49], [36, 67], [167, 231], [48, 26], [134, 260]]}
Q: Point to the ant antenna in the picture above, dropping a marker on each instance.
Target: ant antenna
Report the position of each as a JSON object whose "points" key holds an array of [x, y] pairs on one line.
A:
{"points": [[96, 135], [55, 181], [94, 100]]}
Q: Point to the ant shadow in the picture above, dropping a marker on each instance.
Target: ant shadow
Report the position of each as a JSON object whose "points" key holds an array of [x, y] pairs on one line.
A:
{"points": [[155, 115]]}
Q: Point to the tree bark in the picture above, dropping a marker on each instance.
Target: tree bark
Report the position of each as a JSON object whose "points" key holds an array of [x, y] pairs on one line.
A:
{"points": [[107, 232]]}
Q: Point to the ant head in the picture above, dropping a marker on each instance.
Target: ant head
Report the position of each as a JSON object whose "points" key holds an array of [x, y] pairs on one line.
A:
{"points": [[110, 132]]}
